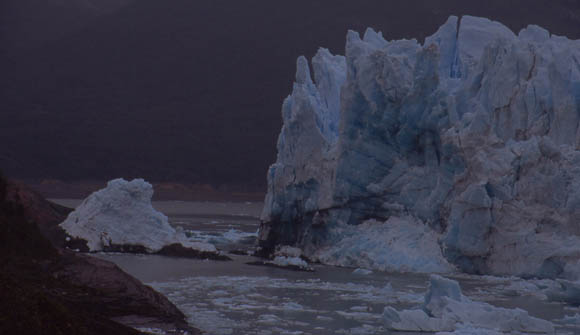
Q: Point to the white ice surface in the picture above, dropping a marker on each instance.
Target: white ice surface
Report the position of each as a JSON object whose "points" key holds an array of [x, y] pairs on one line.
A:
{"points": [[446, 309], [475, 133], [122, 214], [399, 244], [263, 303], [286, 261], [228, 237]]}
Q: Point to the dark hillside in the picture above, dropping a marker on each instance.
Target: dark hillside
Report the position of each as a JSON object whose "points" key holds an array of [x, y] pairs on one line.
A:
{"points": [[45, 290]]}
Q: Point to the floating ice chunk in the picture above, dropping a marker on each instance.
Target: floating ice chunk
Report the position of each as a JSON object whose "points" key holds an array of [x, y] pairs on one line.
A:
{"points": [[269, 319], [362, 272], [570, 320], [446, 309], [288, 251], [234, 235], [286, 261], [359, 316], [287, 256], [360, 308], [440, 287], [414, 320], [120, 214], [292, 306], [564, 291]]}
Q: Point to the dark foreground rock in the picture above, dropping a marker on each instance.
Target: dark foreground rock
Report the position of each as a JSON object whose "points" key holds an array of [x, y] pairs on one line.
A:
{"points": [[48, 290]]}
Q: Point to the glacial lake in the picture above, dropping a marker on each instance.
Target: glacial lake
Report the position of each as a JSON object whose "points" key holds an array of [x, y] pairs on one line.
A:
{"points": [[235, 298]]}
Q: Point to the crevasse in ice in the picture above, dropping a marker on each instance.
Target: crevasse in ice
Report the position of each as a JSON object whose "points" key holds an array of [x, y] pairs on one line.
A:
{"points": [[472, 135]]}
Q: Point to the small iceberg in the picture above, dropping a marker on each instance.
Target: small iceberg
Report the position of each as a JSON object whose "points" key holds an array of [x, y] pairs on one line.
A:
{"points": [[362, 272], [287, 257], [446, 309], [121, 218]]}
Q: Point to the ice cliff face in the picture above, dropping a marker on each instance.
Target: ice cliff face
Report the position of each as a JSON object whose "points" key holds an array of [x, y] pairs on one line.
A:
{"points": [[475, 134]]}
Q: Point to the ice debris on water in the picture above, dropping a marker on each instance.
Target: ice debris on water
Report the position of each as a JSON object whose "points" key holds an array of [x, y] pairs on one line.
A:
{"points": [[121, 214], [285, 261], [228, 237], [362, 272], [564, 291], [570, 320], [286, 256], [474, 133], [446, 309]]}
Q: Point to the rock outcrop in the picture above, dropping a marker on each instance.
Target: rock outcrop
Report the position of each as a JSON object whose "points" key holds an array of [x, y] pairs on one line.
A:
{"points": [[51, 290], [474, 133]]}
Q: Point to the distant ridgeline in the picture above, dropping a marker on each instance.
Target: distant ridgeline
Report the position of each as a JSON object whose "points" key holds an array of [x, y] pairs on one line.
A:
{"points": [[458, 153]]}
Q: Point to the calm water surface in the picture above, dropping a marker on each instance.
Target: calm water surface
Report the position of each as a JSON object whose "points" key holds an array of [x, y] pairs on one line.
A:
{"points": [[236, 298]]}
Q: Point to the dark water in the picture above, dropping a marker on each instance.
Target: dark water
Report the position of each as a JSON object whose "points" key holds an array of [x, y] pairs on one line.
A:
{"points": [[236, 298]]}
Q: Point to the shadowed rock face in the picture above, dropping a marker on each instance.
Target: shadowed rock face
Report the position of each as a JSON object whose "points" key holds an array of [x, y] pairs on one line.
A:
{"points": [[45, 214], [44, 290], [474, 133]]}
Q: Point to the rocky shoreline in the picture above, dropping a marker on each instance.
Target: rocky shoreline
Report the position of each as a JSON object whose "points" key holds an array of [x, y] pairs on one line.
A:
{"points": [[45, 288]]}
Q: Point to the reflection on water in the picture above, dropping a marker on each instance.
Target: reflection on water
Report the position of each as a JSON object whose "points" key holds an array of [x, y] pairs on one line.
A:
{"points": [[235, 298]]}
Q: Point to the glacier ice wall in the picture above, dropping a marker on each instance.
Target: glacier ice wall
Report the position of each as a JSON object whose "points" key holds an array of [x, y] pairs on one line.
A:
{"points": [[475, 133]]}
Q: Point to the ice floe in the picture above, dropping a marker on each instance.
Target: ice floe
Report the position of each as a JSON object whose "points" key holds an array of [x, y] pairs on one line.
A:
{"points": [[446, 309]]}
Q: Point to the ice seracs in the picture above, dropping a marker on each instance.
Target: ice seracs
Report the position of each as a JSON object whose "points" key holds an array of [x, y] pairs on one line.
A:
{"points": [[121, 216], [474, 134], [446, 309], [398, 244]]}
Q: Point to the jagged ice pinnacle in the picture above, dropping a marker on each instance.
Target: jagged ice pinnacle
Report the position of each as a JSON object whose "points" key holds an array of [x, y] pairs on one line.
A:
{"points": [[462, 150]]}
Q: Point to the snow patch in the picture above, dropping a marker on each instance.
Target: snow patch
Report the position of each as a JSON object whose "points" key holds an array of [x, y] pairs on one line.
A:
{"points": [[286, 261]]}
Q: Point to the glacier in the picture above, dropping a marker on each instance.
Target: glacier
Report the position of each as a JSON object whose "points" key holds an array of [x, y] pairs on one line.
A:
{"points": [[121, 216], [468, 141]]}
